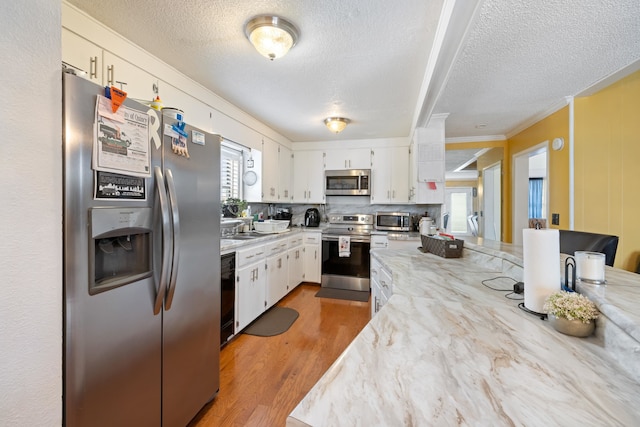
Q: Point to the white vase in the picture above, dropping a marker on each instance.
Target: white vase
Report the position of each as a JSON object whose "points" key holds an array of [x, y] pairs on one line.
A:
{"points": [[572, 327]]}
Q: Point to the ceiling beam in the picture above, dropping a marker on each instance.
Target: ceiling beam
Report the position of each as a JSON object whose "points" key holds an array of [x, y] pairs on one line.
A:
{"points": [[455, 21]]}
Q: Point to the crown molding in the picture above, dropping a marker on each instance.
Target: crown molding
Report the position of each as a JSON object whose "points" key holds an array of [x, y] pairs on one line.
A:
{"points": [[538, 117], [481, 138]]}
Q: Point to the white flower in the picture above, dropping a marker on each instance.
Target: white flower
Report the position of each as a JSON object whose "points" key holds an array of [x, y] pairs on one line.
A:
{"points": [[570, 306]]}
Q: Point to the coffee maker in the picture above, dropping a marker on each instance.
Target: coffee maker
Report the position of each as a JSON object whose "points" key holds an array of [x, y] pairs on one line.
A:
{"points": [[312, 218]]}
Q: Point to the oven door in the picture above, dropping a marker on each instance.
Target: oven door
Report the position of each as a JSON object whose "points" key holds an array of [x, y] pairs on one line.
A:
{"points": [[350, 272]]}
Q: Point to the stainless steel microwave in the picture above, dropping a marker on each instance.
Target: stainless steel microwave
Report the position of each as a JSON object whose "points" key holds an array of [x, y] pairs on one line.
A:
{"points": [[349, 182], [393, 221]]}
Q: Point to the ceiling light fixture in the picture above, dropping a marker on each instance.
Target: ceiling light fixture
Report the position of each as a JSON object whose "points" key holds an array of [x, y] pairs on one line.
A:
{"points": [[272, 36], [336, 124]]}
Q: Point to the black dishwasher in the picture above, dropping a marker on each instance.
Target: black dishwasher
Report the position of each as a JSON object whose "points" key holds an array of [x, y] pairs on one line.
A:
{"points": [[228, 296]]}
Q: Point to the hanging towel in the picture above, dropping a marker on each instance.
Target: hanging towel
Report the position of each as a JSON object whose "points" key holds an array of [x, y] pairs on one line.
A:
{"points": [[344, 246]]}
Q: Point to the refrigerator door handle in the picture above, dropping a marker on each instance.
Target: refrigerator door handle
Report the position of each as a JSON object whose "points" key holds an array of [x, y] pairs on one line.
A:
{"points": [[175, 216], [166, 241]]}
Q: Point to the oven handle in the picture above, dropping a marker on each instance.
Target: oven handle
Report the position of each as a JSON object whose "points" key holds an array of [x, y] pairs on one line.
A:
{"points": [[353, 239]]}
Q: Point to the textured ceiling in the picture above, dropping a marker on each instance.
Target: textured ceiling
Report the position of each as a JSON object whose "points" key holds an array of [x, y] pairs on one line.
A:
{"points": [[522, 58], [360, 59], [367, 59]]}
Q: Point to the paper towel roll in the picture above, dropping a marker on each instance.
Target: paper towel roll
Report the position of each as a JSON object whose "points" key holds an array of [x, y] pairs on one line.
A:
{"points": [[541, 257]]}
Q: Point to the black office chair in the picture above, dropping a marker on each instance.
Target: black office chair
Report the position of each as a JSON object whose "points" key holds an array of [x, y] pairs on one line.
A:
{"points": [[572, 241]]}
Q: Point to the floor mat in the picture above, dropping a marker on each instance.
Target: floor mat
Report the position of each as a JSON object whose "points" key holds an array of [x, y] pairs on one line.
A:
{"points": [[274, 322], [347, 294]]}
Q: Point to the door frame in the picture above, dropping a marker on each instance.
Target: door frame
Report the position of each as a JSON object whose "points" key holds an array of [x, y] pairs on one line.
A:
{"points": [[520, 189], [496, 199], [447, 199]]}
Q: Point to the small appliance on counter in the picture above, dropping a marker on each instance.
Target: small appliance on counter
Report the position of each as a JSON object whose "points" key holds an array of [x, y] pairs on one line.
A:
{"points": [[283, 214], [427, 226], [393, 221], [312, 218]]}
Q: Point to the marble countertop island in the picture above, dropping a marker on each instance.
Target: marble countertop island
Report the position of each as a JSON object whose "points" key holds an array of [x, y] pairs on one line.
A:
{"points": [[447, 350]]}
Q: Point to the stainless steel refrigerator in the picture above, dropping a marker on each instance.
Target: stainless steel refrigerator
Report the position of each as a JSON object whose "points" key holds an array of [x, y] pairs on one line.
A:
{"points": [[141, 269]]}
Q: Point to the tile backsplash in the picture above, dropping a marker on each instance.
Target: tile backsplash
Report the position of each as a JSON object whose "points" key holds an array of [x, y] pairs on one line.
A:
{"points": [[349, 205]]}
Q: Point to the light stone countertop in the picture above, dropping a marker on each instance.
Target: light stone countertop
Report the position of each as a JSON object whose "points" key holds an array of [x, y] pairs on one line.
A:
{"points": [[230, 244], [446, 350]]}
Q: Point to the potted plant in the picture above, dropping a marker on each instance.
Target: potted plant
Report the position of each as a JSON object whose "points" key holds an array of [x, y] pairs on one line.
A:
{"points": [[232, 207], [571, 313]]}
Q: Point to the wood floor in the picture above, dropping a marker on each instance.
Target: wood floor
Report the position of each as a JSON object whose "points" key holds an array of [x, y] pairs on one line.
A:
{"points": [[263, 378]]}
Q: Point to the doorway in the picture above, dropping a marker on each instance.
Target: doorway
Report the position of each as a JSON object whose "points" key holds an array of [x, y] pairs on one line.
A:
{"points": [[529, 164], [459, 208], [492, 209]]}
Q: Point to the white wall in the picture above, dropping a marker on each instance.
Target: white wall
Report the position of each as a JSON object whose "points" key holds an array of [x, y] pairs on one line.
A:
{"points": [[31, 218]]}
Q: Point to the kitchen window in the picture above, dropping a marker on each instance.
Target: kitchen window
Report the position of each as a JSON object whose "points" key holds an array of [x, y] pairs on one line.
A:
{"points": [[230, 170]]}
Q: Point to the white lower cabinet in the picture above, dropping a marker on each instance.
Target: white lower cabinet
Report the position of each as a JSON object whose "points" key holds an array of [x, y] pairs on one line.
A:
{"points": [[277, 271], [268, 272], [250, 285], [296, 261], [379, 241], [381, 286], [312, 256]]}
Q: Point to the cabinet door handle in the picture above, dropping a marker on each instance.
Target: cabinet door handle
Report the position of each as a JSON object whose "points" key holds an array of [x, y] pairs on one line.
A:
{"points": [[93, 67], [393, 194], [387, 194], [110, 73], [279, 262]]}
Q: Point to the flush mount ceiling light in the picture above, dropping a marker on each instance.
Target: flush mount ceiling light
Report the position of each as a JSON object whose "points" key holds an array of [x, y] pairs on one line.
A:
{"points": [[336, 124], [272, 36]]}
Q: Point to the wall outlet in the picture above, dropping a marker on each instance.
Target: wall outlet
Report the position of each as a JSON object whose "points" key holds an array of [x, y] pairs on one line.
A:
{"points": [[555, 219]]}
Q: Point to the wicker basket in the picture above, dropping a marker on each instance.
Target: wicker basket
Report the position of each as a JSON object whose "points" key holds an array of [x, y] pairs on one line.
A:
{"points": [[441, 247]]}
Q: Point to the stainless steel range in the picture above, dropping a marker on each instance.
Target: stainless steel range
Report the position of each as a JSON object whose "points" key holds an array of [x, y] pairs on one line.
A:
{"points": [[345, 251]]}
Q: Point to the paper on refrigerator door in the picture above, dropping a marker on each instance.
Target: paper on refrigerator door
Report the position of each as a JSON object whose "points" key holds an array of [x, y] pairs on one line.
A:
{"points": [[121, 140]]}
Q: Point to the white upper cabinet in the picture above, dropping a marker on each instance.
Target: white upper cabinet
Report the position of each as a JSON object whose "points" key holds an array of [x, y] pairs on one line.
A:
{"points": [[428, 174], [270, 174], [390, 175], [276, 172], [308, 174], [284, 168], [82, 55], [138, 84], [348, 158], [196, 113]]}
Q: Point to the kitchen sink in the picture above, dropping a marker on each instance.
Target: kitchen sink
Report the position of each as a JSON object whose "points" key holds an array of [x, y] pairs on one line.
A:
{"points": [[245, 236]]}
